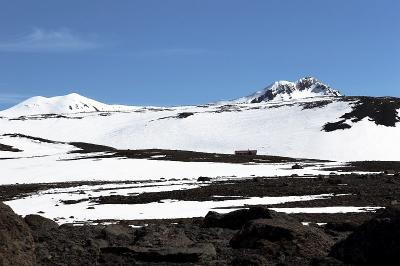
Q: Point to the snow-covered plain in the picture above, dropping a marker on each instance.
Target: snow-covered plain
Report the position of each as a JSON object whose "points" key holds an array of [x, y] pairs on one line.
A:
{"points": [[48, 169], [274, 128], [49, 203]]}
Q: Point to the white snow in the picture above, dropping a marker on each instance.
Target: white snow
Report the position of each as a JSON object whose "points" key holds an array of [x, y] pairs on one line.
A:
{"points": [[283, 129], [166, 209], [31, 147], [47, 169]]}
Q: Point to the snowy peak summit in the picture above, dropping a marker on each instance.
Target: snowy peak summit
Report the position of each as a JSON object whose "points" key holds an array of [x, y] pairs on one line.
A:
{"points": [[67, 104], [285, 90]]}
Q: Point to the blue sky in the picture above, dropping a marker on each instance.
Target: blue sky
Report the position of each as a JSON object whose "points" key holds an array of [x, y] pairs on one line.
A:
{"points": [[171, 52]]}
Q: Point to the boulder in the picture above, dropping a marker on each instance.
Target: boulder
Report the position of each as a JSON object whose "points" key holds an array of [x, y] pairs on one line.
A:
{"points": [[162, 236], [236, 219], [282, 236], [118, 234], [16, 241], [326, 261], [41, 228], [297, 166], [37, 222], [250, 260], [334, 181], [344, 226], [376, 242], [203, 179], [390, 172], [193, 253]]}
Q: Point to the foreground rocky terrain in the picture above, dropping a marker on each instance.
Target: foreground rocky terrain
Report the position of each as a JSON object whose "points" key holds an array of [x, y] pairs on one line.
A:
{"points": [[255, 236], [244, 235]]}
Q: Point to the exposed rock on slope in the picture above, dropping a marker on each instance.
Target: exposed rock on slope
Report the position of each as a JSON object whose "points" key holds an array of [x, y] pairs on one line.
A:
{"points": [[16, 242], [303, 119], [382, 111], [285, 90], [376, 242]]}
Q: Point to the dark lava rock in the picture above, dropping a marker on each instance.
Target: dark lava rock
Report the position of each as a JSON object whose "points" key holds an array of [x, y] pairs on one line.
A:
{"points": [[158, 236], [193, 253], [390, 172], [164, 243], [37, 222], [4, 147], [184, 115], [69, 245], [326, 261], [381, 110], [341, 125], [236, 219], [118, 233], [344, 226], [258, 179], [16, 241], [335, 181], [297, 166], [376, 242], [249, 260], [41, 228], [203, 179], [282, 236]]}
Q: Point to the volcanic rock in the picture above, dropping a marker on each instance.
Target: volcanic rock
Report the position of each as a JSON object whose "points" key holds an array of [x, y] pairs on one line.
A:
{"points": [[376, 242], [16, 241]]}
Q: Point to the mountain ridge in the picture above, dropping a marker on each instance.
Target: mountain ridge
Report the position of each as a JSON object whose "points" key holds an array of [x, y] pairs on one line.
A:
{"points": [[283, 90], [66, 104], [307, 87]]}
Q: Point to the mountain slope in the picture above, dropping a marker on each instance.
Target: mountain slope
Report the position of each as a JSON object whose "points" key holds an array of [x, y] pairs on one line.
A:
{"points": [[303, 119], [285, 90], [71, 103], [306, 128]]}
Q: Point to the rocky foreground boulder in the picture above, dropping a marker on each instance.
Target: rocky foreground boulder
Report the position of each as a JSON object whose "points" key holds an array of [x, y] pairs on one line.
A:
{"points": [[376, 242], [16, 241], [284, 238], [254, 236], [236, 219]]}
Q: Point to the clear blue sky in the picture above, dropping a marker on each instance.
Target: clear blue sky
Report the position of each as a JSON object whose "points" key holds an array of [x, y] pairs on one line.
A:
{"points": [[171, 52]]}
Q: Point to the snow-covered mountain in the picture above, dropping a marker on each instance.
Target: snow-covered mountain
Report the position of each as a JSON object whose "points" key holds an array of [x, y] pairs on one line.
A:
{"points": [[315, 123], [68, 104], [307, 87], [285, 90]]}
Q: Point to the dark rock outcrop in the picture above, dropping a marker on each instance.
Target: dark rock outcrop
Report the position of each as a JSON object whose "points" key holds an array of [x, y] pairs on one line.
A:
{"points": [[203, 179], [280, 236], [118, 234], [344, 226], [236, 219], [159, 236], [193, 253], [376, 242], [16, 241], [297, 166]]}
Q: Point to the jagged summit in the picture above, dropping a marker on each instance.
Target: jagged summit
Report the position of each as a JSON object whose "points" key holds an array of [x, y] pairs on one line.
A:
{"points": [[285, 90], [67, 104]]}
